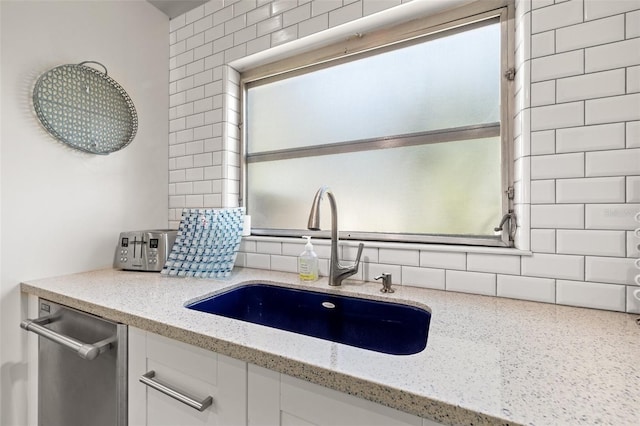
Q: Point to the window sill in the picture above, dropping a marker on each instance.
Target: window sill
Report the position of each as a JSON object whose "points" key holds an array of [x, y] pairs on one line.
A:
{"points": [[399, 246]]}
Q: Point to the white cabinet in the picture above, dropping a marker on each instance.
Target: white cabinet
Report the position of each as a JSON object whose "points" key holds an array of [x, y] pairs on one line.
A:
{"points": [[188, 370], [278, 399], [243, 394]]}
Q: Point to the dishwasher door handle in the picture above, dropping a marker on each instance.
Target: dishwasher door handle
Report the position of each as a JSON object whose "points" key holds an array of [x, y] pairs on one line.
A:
{"points": [[84, 350], [148, 379]]}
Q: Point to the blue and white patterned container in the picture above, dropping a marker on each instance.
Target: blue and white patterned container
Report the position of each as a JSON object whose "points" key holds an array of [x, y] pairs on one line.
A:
{"points": [[207, 243]]}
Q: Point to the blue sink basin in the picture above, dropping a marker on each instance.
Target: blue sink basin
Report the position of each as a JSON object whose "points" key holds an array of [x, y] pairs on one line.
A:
{"points": [[386, 327]]}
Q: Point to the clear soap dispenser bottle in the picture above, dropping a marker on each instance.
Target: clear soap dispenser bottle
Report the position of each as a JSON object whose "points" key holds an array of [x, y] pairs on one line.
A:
{"points": [[308, 262]]}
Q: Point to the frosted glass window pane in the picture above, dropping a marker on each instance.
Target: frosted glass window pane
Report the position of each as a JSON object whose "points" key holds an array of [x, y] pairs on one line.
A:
{"points": [[445, 188], [447, 82]]}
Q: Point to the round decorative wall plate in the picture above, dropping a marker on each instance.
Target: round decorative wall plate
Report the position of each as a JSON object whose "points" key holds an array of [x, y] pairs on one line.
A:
{"points": [[85, 108]]}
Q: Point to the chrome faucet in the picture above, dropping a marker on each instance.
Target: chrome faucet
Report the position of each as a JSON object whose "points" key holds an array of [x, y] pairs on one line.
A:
{"points": [[337, 272]]}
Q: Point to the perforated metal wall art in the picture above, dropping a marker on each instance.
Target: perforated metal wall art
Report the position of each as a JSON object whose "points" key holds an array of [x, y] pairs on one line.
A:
{"points": [[85, 108]]}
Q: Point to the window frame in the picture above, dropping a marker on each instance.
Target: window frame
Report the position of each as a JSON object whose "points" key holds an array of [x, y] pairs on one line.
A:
{"points": [[416, 31]]}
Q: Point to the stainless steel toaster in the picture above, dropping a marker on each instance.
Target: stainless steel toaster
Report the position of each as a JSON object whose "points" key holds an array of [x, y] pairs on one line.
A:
{"points": [[144, 250]]}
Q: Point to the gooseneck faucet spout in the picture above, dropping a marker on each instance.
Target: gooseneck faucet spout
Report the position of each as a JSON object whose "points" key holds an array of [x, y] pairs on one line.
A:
{"points": [[337, 272]]}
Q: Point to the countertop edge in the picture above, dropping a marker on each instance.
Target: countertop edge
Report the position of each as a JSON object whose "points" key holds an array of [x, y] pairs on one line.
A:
{"points": [[395, 398]]}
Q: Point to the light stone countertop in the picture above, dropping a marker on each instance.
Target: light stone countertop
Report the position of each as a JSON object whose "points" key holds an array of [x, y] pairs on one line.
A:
{"points": [[488, 360]]}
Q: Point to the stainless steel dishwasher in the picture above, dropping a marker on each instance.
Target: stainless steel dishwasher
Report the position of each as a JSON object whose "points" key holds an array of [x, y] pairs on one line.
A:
{"points": [[82, 368]]}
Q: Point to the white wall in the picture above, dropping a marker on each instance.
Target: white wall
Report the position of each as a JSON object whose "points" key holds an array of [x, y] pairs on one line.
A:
{"points": [[62, 210], [576, 144]]}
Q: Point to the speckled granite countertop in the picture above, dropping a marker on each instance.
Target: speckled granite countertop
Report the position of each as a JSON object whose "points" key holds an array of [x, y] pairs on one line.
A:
{"points": [[488, 360]]}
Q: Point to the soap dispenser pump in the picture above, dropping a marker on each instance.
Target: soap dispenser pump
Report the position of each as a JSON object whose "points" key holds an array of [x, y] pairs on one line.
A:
{"points": [[308, 262]]}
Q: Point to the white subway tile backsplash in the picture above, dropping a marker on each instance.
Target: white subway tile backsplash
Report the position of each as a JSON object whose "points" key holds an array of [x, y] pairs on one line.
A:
{"points": [[633, 304], [583, 168], [372, 270], [633, 189], [370, 7], [443, 260], [527, 288], [423, 277], [495, 263], [614, 55], [611, 270], [258, 45], [556, 16], [194, 201], [258, 14], [591, 295], [471, 282], [611, 216], [235, 24], [590, 86], [195, 41], [295, 249], [214, 33], [223, 15], [595, 9], [633, 134], [345, 14], [591, 190], [613, 109], [543, 44], [280, 6], [557, 116], [244, 35], [543, 142], [203, 24], [399, 257], [537, 4], [284, 35], [553, 266], [543, 192], [258, 261], [269, 247], [324, 6], [184, 32], [558, 66], [543, 240], [633, 245], [313, 25], [194, 14], [591, 138], [248, 246], [194, 174], [590, 33], [557, 166], [177, 201], [543, 93], [299, 14], [632, 24], [613, 163], [633, 79], [567, 216], [591, 243], [269, 26], [284, 263], [177, 22]]}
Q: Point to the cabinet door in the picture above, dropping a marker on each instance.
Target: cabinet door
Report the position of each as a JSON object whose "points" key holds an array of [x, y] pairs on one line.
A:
{"points": [[301, 403], [188, 370]]}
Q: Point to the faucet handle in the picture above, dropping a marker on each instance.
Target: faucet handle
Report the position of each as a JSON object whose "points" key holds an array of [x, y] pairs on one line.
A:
{"points": [[386, 282]]}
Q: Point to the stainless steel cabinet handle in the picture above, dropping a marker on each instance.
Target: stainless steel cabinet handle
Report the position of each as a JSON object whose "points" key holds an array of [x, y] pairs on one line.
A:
{"points": [[84, 350], [148, 379]]}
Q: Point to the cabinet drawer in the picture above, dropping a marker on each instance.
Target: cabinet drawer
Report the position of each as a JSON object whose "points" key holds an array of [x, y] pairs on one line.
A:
{"points": [[186, 370]]}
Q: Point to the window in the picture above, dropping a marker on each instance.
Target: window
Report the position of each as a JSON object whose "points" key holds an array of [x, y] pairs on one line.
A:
{"points": [[411, 136]]}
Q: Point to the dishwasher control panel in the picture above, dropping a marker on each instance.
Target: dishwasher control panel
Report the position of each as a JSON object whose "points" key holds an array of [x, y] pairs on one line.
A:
{"points": [[143, 250]]}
